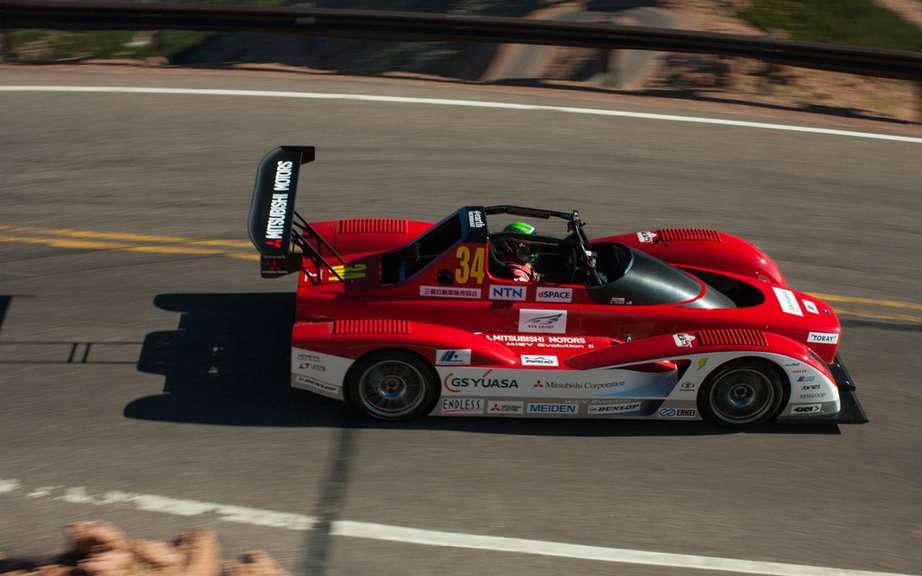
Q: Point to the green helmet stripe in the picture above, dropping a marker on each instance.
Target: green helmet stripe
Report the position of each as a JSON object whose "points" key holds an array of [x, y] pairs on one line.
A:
{"points": [[520, 227]]}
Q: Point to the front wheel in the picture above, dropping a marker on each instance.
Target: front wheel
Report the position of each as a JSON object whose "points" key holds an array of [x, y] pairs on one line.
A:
{"points": [[742, 394], [392, 385]]}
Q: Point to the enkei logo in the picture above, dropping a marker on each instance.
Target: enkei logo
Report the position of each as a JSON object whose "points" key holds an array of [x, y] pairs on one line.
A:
{"points": [[457, 383], [678, 413]]}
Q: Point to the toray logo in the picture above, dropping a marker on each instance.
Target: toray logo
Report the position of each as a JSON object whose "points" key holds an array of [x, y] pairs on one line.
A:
{"points": [[507, 292], [458, 383]]}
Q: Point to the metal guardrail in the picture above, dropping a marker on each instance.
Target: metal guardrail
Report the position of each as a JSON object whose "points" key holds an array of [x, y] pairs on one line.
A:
{"points": [[413, 26]]}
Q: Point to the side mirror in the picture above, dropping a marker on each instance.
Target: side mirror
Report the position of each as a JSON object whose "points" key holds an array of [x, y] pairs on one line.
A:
{"points": [[445, 277]]}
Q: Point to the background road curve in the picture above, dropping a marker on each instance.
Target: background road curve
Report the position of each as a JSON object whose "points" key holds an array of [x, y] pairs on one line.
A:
{"points": [[154, 371]]}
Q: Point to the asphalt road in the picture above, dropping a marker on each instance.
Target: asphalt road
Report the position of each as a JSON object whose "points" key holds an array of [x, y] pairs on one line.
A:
{"points": [[178, 394]]}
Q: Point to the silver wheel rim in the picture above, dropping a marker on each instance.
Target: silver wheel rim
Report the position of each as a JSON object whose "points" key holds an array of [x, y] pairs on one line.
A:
{"points": [[391, 388], [742, 395]]}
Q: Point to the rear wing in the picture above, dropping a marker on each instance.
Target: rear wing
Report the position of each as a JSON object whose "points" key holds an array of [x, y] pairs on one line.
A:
{"points": [[274, 225]]}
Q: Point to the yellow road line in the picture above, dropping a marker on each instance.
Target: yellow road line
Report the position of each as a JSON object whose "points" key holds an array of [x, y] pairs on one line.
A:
{"points": [[75, 239], [907, 318], [125, 236], [870, 301], [73, 244]]}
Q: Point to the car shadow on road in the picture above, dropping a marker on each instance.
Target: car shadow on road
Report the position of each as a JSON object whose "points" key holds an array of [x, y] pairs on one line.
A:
{"points": [[227, 363]]}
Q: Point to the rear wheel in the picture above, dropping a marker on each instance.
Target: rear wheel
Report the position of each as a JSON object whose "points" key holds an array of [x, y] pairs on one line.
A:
{"points": [[742, 394], [392, 385]]}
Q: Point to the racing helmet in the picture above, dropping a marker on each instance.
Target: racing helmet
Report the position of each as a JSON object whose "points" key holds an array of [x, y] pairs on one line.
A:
{"points": [[513, 248]]}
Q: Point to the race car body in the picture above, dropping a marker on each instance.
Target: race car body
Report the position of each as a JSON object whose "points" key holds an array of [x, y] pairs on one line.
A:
{"points": [[402, 318]]}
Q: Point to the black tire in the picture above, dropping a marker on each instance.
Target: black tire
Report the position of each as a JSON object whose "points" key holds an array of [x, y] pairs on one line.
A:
{"points": [[392, 385], [743, 394]]}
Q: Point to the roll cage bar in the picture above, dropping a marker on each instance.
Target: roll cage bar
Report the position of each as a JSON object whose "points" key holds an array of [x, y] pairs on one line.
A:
{"points": [[574, 226]]}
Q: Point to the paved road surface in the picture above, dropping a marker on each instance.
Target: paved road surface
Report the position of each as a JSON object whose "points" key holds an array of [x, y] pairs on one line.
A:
{"points": [[178, 395]]}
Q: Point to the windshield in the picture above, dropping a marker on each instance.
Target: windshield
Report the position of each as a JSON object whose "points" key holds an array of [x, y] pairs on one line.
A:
{"points": [[633, 277]]}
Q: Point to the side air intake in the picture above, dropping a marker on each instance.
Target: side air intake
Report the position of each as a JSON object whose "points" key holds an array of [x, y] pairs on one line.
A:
{"points": [[731, 337], [373, 226], [700, 234], [371, 326]]}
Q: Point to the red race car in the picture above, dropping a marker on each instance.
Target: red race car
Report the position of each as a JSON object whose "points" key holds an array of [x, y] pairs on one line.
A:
{"points": [[401, 318]]}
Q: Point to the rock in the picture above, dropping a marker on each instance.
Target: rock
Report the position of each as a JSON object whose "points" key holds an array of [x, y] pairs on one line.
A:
{"points": [[254, 563]]}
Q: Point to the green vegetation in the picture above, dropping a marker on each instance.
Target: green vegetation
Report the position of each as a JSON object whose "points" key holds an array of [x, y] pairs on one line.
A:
{"points": [[47, 45], [857, 22]]}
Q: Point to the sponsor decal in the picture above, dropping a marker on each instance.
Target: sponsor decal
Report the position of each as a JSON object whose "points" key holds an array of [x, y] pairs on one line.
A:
{"points": [[593, 386], [538, 360], [462, 405], [647, 237], [787, 301], [306, 356], [812, 396], [475, 218], [806, 379], [485, 381], [808, 387], [597, 408], [316, 385], [312, 366], [823, 338], [522, 340], [552, 321], [507, 292], [278, 205], [552, 408], [350, 272], [683, 340], [807, 409], [546, 294], [453, 357], [449, 292], [500, 407], [702, 362], [688, 386], [678, 412], [810, 306]]}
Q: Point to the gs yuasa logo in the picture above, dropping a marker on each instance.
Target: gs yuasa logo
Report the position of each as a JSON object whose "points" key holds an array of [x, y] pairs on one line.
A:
{"points": [[484, 381]]}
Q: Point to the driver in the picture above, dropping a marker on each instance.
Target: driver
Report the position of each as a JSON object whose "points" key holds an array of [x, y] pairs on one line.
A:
{"points": [[515, 253]]}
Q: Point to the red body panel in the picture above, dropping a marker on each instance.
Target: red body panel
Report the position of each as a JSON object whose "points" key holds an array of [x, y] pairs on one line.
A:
{"points": [[454, 316]]}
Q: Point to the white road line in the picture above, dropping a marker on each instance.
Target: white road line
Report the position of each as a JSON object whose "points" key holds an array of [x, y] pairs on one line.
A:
{"points": [[452, 102], [370, 531]]}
